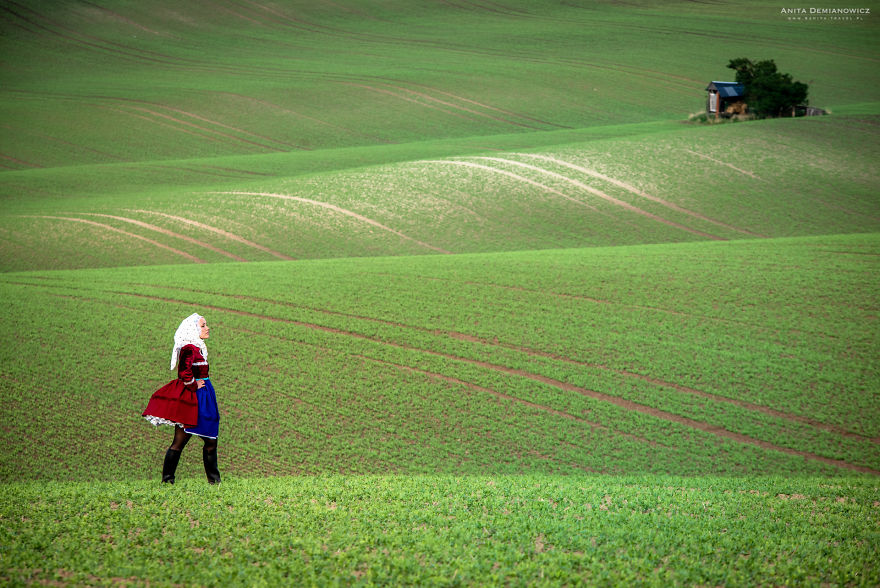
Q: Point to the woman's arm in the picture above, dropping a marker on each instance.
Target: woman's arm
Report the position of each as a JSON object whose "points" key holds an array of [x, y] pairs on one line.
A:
{"points": [[184, 367]]}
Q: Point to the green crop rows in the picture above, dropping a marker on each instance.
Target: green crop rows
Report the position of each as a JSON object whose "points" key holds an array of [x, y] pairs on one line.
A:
{"points": [[442, 530]]}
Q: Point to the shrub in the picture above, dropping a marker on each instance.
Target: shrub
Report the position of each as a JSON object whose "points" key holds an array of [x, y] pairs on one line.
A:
{"points": [[769, 92]]}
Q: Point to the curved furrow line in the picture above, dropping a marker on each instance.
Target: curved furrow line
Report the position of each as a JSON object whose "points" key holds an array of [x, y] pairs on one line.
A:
{"points": [[88, 41], [134, 53], [358, 13], [205, 129], [223, 125], [170, 234], [755, 407], [604, 196], [489, 7], [276, 17], [340, 210], [508, 397], [19, 161], [407, 99], [155, 122], [200, 131], [236, 14], [565, 386], [492, 108], [452, 4], [718, 161], [123, 18], [126, 233], [499, 8], [678, 387], [221, 232], [638, 192], [516, 177], [11, 17], [672, 82], [463, 108], [302, 116]]}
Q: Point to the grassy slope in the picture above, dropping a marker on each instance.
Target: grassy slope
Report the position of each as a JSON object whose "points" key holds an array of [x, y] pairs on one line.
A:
{"points": [[748, 357], [668, 184]]}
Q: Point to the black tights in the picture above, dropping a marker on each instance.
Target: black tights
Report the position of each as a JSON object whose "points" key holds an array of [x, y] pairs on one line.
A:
{"points": [[181, 438]]}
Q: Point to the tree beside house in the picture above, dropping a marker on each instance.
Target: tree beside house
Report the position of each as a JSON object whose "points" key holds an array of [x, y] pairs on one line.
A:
{"points": [[760, 90]]}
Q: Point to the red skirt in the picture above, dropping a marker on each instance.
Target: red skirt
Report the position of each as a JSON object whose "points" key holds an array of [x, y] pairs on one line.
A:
{"points": [[173, 404]]}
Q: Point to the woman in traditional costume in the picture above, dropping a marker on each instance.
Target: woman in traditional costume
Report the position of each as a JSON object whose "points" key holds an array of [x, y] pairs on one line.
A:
{"points": [[188, 403]]}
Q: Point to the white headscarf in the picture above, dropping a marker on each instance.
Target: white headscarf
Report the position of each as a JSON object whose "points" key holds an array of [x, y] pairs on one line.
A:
{"points": [[188, 334]]}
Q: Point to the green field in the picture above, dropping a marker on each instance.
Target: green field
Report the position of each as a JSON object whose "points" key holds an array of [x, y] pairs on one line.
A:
{"points": [[445, 530], [486, 308]]}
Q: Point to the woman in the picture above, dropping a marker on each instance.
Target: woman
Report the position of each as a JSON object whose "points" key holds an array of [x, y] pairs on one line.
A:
{"points": [[188, 403]]}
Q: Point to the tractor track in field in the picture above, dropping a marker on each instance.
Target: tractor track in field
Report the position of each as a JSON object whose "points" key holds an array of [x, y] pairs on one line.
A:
{"points": [[434, 375], [408, 99], [338, 210], [622, 403], [221, 232], [490, 7], [42, 26], [189, 256], [634, 190], [300, 115], [785, 416], [20, 162], [481, 105], [719, 162], [149, 110], [523, 179], [517, 177], [509, 398], [606, 196], [538, 353], [595, 192], [230, 138], [169, 233], [159, 123], [419, 98]]}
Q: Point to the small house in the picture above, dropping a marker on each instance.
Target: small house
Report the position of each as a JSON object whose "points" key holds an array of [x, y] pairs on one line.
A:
{"points": [[725, 99]]}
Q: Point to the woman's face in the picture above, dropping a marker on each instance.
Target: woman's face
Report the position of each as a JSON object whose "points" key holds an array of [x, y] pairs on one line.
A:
{"points": [[204, 330]]}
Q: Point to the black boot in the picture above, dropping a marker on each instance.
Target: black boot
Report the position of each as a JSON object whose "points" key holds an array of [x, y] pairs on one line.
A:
{"points": [[172, 456], [210, 459]]}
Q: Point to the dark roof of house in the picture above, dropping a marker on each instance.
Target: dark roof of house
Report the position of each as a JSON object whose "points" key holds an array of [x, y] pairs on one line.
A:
{"points": [[727, 89]]}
